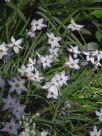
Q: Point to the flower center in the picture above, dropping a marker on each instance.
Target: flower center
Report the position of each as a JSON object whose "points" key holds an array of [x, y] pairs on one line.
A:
{"points": [[14, 45], [10, 104], [52, 40], [17, 85], [17, 110], [45, 61], [33, 65], [61, 79], [36, 24], [52, 93], [72, 64], [10, 127], [35, 78], [57, 81]]}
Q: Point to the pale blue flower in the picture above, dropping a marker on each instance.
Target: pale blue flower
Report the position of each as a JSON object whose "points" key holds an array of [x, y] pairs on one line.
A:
{"points": [[10, 127], [18, 110], [9, 103]]}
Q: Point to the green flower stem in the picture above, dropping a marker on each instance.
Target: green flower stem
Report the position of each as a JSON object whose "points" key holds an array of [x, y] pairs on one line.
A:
{"points": [[56, 110], [83, 39]]}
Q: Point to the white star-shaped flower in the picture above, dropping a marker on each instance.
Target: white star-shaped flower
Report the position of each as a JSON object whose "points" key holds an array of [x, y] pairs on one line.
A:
{"points": [[11, 127], [73, 26], [54, 53], [99, 114], [44, 133], [73, 63], [52, 89], [32, 64], [25, 71], [53, 40], [17, 84], [56, 83], [37, 24], [60, 79], [90, 56], [45, 60], [53, 92], [31, 34], [3, 50], [74, 50], [15, 44], [36, 77], [95, 132]]}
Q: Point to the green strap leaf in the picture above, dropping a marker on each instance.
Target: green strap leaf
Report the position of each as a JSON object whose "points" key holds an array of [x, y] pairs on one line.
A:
{"points": [[21, 15]]}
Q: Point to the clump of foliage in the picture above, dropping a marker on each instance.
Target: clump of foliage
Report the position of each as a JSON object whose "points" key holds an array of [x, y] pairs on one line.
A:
{"points": [[50, 67]]}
